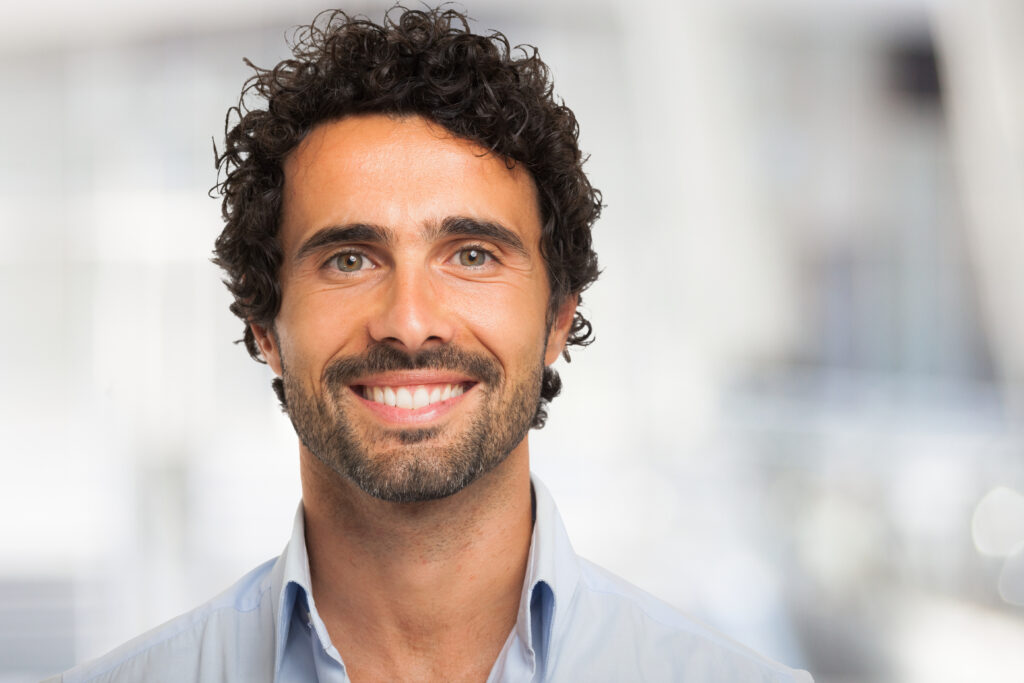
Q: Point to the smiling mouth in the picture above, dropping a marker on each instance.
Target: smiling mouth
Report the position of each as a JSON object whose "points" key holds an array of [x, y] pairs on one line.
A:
{"points": [[412, 397]]}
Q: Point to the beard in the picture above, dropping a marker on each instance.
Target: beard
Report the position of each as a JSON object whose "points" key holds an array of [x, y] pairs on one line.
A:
{"points": [[414, 464]]}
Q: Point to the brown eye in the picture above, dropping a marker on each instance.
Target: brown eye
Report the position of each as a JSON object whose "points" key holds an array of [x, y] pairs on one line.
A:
{"points": [[472, 257], [349, 262]]}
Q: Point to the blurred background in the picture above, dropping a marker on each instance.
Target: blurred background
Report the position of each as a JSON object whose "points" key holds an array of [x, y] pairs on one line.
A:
{"points": [[802, 419]]}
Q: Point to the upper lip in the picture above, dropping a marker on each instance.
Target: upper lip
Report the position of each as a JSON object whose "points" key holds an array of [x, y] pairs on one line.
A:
{"points": [[412, 378]]}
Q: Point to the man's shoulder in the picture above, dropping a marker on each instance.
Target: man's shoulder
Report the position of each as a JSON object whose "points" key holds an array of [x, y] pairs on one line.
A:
{"points": [[238, 620], [629, 627]]}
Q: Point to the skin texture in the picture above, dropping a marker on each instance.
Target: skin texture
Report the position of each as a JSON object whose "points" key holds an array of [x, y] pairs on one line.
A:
{"points": [[423, 590]]}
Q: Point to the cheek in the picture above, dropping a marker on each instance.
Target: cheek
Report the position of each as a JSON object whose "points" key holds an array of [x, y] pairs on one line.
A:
{"points": [[508, 320], [315, 328], [494, 304]]}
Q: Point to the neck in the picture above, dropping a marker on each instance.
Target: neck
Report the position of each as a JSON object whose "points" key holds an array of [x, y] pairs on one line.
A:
{"points": [[418, 590]]}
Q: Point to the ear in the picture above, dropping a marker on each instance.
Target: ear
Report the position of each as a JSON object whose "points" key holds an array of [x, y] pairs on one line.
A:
{"points": [[269, 346], [560, 327]]}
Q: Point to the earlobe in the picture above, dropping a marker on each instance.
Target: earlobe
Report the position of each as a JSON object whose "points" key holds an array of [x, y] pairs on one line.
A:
{"points": [[560, 328], [269, 347]]}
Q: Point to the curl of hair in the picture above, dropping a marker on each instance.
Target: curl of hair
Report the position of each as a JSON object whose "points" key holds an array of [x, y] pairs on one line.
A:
{"points": [[425, 63]]}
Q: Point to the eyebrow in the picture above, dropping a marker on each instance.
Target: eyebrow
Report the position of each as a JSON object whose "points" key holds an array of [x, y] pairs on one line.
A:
{"points": [[344, 234], [453, 226], [462, 226]]}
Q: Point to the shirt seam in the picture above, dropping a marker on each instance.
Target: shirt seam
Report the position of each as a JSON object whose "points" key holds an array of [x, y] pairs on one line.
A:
{"points": [[191, 625]]}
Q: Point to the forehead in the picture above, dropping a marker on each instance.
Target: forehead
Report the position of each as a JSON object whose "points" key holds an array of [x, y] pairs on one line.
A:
{"points": [[401, 173]]}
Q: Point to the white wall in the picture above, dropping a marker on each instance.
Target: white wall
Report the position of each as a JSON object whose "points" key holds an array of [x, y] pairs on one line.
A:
{"points": [[789, 418]]}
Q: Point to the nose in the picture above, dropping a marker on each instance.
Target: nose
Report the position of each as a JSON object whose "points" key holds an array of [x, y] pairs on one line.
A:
{"points": [[411, 313]]}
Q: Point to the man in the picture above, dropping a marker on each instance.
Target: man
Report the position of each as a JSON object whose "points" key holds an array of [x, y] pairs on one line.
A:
{"points": [[407, 237]]}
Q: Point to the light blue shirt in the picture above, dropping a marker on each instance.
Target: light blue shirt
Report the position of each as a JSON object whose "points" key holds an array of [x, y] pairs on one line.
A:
{"points": [[576, 622]]}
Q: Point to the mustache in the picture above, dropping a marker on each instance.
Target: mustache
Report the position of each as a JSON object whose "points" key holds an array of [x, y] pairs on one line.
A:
{"points": [[386, 358]]}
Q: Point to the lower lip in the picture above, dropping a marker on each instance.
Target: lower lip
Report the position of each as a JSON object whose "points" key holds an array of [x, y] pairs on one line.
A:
{"points": [[415, 415]]}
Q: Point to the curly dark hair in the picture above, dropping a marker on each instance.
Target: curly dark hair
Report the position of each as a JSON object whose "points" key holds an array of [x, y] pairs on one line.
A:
{"points": [[426, 63]]}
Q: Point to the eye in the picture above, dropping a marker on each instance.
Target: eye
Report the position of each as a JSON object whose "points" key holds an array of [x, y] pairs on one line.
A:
{"points": [[474, 257], [350, 262]]}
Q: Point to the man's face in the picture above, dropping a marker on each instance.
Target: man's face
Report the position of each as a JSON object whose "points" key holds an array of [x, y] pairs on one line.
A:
{"points": [[412, 332]]}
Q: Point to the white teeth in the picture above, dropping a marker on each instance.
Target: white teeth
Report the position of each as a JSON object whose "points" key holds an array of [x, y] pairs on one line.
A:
{"points": [[404, 398], [412, 397], [420, 398]]}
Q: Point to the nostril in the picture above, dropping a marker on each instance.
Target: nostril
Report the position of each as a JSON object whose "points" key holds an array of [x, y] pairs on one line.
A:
{"points": [[410, 328]]}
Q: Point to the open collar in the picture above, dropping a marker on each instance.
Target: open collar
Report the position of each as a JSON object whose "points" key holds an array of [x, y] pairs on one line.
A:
{"points": [[552, 574]]}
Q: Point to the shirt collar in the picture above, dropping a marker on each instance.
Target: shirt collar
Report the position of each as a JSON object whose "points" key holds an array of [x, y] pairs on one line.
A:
{"points": [[292, 586], [552, 573]]}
